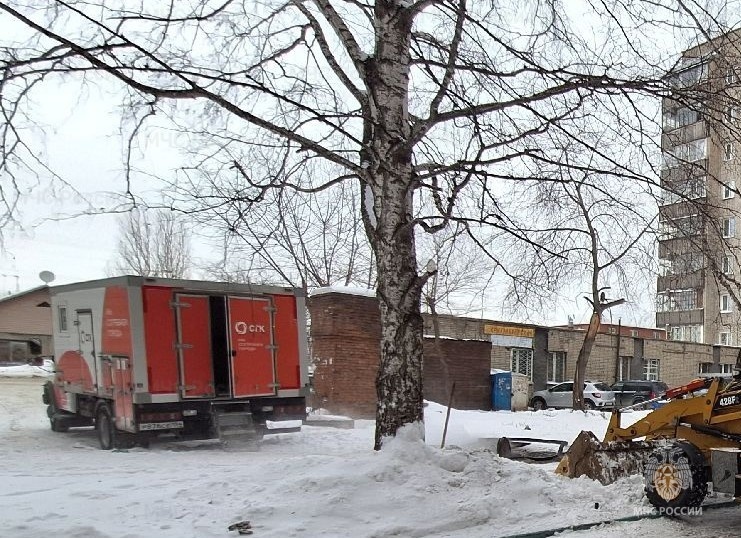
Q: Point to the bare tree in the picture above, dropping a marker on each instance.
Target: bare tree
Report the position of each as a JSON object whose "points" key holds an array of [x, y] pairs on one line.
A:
{"points": [[428, 106], [311, 243], [152, 243]]}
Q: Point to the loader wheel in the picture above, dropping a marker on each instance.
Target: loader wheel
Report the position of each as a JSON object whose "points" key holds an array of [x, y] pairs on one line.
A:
{"points": [[539, 404], [676, 476], [105, 427]]}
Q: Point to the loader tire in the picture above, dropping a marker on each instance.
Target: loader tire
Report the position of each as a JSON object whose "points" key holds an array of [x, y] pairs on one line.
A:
{"points": [[676, 476], [105, 428]]}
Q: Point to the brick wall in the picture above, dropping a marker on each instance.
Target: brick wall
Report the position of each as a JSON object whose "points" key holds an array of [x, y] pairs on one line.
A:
{"points": [[465, 362], [345, 336]]}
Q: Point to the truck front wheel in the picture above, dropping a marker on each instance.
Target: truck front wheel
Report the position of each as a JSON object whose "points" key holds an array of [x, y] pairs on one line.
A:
{"points": [[52, 412], [105, 427]]}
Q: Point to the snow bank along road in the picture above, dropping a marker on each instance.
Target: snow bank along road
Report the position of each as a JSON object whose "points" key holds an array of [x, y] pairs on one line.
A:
{"points": [[320, 482]]}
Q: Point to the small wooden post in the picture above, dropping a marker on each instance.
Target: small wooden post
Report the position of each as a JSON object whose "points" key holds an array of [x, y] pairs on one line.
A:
{"points": [[447, 416]]}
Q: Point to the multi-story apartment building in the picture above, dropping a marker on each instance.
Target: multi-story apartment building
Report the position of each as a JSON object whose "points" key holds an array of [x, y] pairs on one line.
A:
{"points": [[700, 226]]}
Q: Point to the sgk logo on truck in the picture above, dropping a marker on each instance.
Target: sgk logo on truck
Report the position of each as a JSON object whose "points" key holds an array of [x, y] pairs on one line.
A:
{"points": [[241, 327]]}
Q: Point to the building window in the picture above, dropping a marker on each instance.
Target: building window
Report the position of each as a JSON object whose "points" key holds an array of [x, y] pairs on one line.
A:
{"points": [[724, 338], [728, 190], [731, 77], [634, 333], [692, 189], [677, 300], [686, 226], [686, 153], [692, 71], [729, 227], [624, 368], [62, 311], [725, 303], [704, 367], [727, 265], [680, 264], [686, 333], [728, 151], [557, 367], [726, 368], [731, 114], [651, 369], [522, 361], [680, 117]]}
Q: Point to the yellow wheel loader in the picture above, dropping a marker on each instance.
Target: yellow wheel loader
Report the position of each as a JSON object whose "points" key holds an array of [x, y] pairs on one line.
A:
{"points": [[692, 439]]}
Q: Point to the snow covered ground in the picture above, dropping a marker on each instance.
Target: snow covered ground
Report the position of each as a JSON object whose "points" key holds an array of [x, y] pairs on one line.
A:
{"points": [[320, 482], [27, 370]]}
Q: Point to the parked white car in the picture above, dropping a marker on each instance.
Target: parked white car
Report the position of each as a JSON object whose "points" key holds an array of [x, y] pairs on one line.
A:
{"points": [[596, 396]]}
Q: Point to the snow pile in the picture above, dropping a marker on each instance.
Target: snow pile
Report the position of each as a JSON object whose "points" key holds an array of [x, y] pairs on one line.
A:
{"points": [[28, 370], [347, 290], [320, 482]]}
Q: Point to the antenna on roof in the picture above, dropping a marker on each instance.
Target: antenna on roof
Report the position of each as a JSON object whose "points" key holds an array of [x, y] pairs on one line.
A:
{"points": [[46, 276]]}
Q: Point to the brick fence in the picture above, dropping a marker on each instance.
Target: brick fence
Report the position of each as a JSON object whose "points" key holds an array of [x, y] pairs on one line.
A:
{"points": [[345, 336]]}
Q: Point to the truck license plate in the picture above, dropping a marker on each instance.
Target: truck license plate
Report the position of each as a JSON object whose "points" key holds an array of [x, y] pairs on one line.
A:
{"points": [[148, 426]]}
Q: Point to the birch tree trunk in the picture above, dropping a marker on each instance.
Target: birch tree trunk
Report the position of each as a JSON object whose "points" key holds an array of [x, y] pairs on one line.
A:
{"points": [[387, 214]]}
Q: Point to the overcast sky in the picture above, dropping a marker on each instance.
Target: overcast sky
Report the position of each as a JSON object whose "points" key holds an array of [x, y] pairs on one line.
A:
{"points": [[82, 144]]}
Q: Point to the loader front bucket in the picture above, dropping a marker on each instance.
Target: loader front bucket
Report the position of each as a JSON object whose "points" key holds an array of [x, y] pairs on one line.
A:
{"points": [[606, 462]]}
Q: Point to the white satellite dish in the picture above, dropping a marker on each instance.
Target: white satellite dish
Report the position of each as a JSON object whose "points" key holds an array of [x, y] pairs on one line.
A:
{"points": [[46, 276]]}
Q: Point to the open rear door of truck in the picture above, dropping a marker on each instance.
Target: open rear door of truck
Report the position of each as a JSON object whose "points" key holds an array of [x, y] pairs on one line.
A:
{"points": [[252, 346]]}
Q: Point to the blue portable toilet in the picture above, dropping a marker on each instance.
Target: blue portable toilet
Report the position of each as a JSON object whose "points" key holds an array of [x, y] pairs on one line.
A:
{"points": [[501, 391]]}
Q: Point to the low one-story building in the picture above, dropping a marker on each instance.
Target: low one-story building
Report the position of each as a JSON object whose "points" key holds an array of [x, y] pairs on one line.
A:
{"points": [[25, 325], [345, 333]]}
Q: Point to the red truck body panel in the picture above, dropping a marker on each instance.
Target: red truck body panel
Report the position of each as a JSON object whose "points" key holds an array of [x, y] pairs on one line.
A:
{"points": [[159, 337], [251, 339], [194, 341]]}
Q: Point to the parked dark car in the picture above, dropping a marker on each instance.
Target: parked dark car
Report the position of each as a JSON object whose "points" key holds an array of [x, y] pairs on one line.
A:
{"points": [[637, 391]]}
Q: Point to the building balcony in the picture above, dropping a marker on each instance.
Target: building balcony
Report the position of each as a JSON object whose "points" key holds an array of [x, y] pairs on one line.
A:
{"points": [[680, 317], [684, 171], [682, 135], [695, 279]]}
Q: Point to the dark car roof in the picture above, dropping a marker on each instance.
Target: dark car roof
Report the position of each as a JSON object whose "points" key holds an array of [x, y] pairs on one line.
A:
{"points": [[641, 382], [638, 381]]}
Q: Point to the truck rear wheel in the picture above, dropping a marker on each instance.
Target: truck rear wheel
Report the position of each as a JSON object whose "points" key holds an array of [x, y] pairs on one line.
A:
{"points": [[105, 427], [57, 425]]}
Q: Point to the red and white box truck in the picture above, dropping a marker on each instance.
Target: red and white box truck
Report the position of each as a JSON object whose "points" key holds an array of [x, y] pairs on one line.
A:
{"points": [[139, 357]]}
